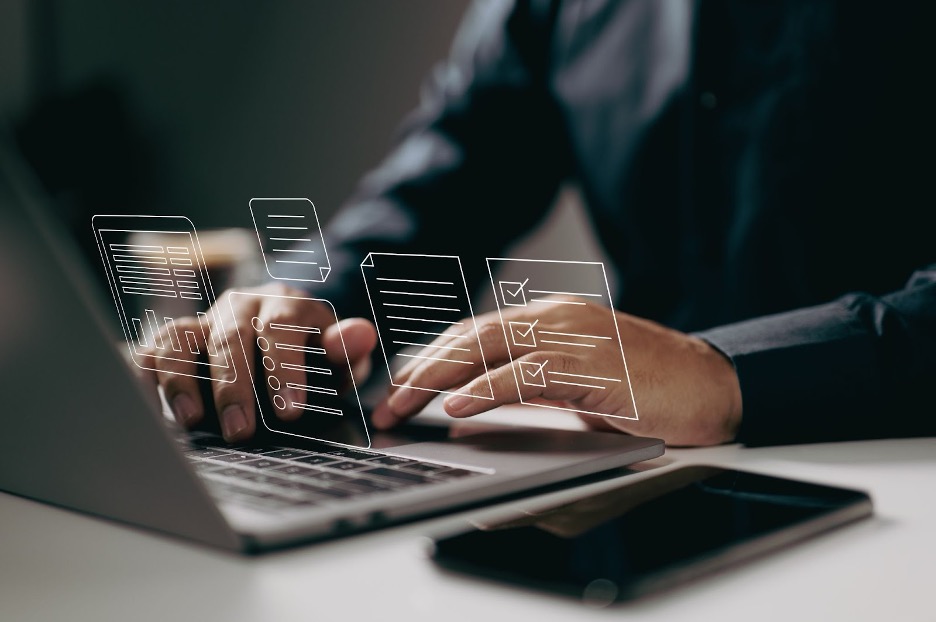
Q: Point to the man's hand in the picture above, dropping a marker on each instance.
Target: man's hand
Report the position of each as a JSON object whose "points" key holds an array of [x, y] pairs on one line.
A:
{"points": [[235, 401], [686, 391]]}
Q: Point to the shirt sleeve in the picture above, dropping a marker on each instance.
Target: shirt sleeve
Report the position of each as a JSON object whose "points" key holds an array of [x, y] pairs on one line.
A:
{"points": [[860, 367], [476, 165]]}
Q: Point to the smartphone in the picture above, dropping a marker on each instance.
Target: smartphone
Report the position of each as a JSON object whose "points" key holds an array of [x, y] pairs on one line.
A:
{"points": [[651, 535]]}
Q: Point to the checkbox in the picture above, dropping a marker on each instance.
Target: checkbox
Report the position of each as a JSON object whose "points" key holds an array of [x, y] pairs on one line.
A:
{"points": [[521, 334], [532, 374], [513, 293]]}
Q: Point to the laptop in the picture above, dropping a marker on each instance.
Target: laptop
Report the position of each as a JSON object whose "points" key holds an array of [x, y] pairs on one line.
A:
{"points": [[81, 432]]}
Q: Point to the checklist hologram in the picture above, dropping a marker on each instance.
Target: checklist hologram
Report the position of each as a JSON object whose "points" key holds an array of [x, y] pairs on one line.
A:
{"points": [[295, 371], [528, 306]]}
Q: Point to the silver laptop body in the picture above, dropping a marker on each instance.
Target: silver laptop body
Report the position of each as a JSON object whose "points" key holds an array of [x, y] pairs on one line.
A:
{"points": [[79, 431]]}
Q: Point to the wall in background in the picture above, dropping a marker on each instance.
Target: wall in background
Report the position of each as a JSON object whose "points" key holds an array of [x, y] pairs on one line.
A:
{"points": [[246, 98], [234, 100], [13, 54]]}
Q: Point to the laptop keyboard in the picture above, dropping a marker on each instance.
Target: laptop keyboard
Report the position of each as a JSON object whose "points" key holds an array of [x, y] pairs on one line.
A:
{"points": [[279, 478]]}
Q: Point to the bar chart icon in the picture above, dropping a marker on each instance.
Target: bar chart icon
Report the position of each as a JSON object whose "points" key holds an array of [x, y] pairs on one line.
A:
{"points": [[143, 276]]}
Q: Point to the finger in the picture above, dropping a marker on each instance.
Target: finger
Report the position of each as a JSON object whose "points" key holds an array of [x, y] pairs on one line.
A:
{"points": [[597, 422], [532, 370], [361, 369], [461, 332], [351, 342], [355, 336], [175, 373], [487, 331], [437, 375], [231, 334], [383, 418]]}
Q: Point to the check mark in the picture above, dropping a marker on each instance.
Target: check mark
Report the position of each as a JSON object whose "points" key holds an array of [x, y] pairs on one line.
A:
{"points": [[513, 293], [521, 334], [531, 374], [518, 290]]}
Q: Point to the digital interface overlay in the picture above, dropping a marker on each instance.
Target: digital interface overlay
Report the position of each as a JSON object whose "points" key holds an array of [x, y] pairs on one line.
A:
{"points": [[415, 299], [326, 395], [543, 310], [148, 281], [290, 239]]}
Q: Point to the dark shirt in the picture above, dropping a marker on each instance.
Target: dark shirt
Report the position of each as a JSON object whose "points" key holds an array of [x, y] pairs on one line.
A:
{"points": [[758, 173]]}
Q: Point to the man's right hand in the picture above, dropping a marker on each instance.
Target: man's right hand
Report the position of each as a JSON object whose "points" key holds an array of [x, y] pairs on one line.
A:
{"points": [[234, 401]]}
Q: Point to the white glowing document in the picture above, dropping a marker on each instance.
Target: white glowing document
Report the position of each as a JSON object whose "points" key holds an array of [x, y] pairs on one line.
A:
{"points": [[291, 239], [291, 369], [145, 277], [527, 299], [416, 299]]}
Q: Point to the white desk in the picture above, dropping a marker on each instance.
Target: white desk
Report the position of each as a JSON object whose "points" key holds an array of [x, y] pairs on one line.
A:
{"points": [[58, 565]]}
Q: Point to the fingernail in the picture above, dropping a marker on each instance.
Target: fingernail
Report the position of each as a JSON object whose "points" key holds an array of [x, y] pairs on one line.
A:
{"points": [[401, 401], [296, 396], [233, 422], [455, 404], [382, 418], [183, 407], [382, 422]]}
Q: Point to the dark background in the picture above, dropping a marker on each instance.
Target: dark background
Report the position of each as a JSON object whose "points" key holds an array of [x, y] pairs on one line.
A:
{"points": [[195, 107]]}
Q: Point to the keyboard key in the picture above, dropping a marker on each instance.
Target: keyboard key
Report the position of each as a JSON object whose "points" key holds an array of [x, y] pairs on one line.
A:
{"points": [[344, 465], [397, 476], [294, 469], [330, 477], [354, 454], [306, 491], [284, 454], [265, 479], [234, 457], [391, 460], [262, 463], [229, 472], [372, 485], [202, 452], [316, 459], [203, 467], [425, 467], [337, 493], [303, 487], [252, 450]]}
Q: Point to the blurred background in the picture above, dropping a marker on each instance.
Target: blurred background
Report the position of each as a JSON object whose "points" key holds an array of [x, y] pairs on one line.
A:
{"points": [[192, 108]]}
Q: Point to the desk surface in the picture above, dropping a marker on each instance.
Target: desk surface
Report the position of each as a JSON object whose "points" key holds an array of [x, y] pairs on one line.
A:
{"points": [[59, 565]]}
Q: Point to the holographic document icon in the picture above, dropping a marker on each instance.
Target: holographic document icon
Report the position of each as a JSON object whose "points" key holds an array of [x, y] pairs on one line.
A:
{"points": [[415, 300], [291, 239], [156, 282], [293, 372], [542, 307]]}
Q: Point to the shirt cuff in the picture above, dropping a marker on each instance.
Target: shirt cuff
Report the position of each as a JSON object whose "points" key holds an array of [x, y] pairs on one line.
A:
{"points": [[805, 376]]}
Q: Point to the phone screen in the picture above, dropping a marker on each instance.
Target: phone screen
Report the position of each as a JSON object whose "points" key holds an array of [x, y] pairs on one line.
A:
{"points": [[651, 534]]}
